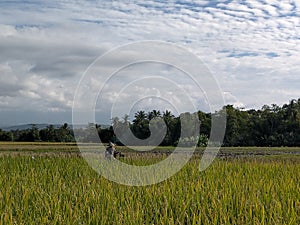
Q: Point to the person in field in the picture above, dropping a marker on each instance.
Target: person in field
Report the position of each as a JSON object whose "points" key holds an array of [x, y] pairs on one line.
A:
{"points": [[110, 151]]}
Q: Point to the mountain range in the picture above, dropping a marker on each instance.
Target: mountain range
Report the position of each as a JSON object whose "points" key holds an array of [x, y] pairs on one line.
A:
{"points": [[41, 126]]}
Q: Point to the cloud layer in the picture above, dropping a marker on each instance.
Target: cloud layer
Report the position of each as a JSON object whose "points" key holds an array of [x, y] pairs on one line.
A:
{"points": [[252, 48]]}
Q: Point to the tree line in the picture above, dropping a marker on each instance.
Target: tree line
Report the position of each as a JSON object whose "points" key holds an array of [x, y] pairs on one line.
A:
{"points": [[269, 126]]}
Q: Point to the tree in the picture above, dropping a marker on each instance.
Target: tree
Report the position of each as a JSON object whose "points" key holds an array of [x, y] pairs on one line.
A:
{"points": [[140, 126], [153, 114], [6, 136], [48, 134], [65, 134], [269, 126], [173, 128], [29, 135]]}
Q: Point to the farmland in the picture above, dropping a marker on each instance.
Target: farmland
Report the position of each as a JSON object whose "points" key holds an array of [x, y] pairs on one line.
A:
{"points": [[51, 184]]}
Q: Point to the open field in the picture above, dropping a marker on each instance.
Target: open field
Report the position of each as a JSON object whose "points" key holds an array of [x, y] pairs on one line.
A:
{"points": [[242, 186], [45, 147]]}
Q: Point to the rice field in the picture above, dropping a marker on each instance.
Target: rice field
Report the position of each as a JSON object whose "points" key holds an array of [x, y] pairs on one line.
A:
{"points": [[60, 188]]}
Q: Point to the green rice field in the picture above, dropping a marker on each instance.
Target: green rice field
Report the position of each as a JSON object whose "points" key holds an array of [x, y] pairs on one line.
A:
{"points": [[52, 184]]}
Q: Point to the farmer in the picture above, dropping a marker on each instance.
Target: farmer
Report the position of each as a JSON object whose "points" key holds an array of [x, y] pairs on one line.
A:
{"points": [[110, 150]]}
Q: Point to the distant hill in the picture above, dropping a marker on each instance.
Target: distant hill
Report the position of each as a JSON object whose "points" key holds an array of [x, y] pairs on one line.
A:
{"points": [[42, 126], [28, 126]]}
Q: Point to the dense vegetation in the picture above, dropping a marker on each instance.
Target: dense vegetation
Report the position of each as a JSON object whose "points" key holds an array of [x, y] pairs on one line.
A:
{"points": [[268, 126], [65, 190]]}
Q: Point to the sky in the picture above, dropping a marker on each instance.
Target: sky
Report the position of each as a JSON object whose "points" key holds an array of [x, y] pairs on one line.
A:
{"points": [[251, 48]]}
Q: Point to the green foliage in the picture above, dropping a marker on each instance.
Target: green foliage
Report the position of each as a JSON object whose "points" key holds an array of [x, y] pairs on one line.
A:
{"points": [[31, 134], [6, 136], [270, 126]]}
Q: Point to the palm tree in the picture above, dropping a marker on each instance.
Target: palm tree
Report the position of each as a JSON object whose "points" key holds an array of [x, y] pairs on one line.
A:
{"points": [[141, 125], [115, 121], [153, 114], [126, 119], [168, 116], [156, 113], [140, 117]]}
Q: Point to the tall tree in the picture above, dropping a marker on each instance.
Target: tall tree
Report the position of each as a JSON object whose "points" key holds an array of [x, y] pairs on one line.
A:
{"points": [[140, 126]]}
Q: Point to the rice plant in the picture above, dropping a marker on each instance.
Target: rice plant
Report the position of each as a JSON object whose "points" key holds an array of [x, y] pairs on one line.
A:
{"points": [[65, 190]]}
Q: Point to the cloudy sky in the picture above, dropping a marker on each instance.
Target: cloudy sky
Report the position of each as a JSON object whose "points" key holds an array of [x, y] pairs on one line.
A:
{"points": [[251, 47]]}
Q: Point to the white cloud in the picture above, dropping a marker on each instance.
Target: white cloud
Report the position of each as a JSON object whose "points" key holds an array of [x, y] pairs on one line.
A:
{"points": [[248, 45]]}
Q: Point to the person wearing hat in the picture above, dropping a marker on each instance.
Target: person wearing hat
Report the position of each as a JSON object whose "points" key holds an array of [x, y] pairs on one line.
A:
{"points": [[110, 150]]}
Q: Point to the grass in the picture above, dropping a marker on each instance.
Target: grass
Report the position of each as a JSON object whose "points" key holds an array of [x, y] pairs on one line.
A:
{"points": [[63, 189]]}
